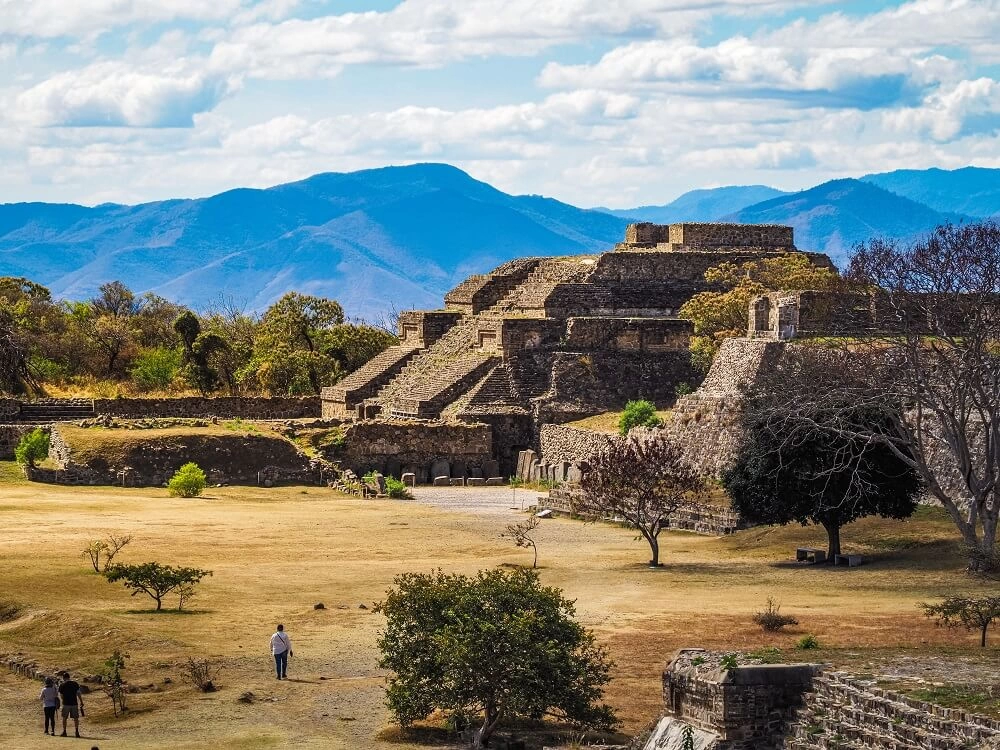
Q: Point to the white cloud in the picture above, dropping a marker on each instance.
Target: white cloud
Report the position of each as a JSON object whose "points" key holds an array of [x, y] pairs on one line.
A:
{"points": [[80, 18], [946, 114], [116, 94]]}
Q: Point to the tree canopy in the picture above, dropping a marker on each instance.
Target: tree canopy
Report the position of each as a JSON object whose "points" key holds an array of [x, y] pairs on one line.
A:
{"points": [[818, 476], [489, 649]]}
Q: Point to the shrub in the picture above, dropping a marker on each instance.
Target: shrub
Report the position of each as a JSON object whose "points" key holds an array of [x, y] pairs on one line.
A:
{"points": [[638, 414], [32, 447], [683, 389], [156, 368], [114, 683], [201, 673], [396, 489], [807, 643], [189, 481], [729, 661], [771, 619]]}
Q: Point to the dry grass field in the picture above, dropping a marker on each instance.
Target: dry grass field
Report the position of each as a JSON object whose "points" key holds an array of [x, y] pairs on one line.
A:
{"points": [[275, 553]]}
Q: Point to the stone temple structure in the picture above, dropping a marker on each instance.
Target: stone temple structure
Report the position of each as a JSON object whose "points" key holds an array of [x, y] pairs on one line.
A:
{"points": [[542, 340]]}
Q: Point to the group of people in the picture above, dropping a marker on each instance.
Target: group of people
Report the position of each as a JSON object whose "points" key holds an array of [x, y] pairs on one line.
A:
{"points": [[67, 693]]}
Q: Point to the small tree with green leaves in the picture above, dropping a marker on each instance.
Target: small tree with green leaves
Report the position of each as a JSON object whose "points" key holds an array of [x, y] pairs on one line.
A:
{"points": [[498, 646], [969, 612], [638, 414], [155, 580], [521, 535], [113, 682], [188, 481], [32, 447]]}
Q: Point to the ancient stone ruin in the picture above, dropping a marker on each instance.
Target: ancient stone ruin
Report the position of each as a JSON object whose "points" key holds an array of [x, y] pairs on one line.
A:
{"points": [[549, 340]]}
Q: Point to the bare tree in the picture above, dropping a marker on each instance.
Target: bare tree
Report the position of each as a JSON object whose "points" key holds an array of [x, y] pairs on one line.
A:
{"points": [[640, 481], [520, 534], [931, 361], [108, 548]]}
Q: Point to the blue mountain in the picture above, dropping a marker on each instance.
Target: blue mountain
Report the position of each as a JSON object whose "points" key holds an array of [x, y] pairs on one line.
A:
{"points": [[837, 215], [708, 204], [394, 237], [973, 191]]}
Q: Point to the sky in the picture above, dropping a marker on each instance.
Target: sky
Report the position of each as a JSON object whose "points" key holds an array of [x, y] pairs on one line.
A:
{"points": [[596, 102]]}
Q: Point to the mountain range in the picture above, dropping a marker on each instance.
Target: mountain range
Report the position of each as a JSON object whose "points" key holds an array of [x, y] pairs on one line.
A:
{"points": [[399, 237]]}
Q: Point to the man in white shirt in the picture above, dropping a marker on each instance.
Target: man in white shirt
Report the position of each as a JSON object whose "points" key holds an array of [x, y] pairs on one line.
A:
{"points": [[281, 649]]}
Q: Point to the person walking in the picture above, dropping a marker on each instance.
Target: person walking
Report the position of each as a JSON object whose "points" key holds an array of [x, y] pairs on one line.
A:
{"points": [[281, 649], [50, 702], [72, 702]]}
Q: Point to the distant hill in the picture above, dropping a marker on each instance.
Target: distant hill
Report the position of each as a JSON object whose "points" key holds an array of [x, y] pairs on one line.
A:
{"points": [[398, 236], [402, 236], [972, 191], [836, 215], [701, 205]]}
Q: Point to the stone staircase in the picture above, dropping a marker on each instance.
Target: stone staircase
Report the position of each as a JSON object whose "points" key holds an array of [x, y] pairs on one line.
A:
{"points": [[366, 381], [56, 410], [528, 298], [844, 714]]}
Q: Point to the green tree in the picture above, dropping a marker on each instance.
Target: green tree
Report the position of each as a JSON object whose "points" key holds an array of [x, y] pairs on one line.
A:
{"points": [[187, 481], [153, 579], [639, 413], [155, 368], [969, 612], [723, 313], [32, 447], [819, 476], [494, 648], [351, 345], [200, 349]]}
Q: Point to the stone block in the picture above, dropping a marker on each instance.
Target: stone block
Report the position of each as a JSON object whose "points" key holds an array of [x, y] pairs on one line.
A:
{"points": [[442, 481], [409, 479], [490, 468], [458, 481], [475, 472], [495, 482], [475, 482], [458, 468], [562, 471], [440, 468]]}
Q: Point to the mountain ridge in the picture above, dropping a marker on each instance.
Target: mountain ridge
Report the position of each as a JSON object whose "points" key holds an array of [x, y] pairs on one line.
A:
{"points": [[400, 237]]}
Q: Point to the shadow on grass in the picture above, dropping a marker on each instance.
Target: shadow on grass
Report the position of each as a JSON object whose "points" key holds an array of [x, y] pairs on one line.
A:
{"points": [[165, 612]]}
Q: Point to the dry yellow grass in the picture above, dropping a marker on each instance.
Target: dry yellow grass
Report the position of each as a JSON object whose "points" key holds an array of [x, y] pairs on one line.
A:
{"points": [[608, 421], [277, 552]]}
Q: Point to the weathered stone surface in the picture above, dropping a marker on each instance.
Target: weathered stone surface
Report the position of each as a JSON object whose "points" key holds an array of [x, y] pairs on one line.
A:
{"points": [[441, 468], [475, 482], [442, 481], [458, 481], [409, 479]]}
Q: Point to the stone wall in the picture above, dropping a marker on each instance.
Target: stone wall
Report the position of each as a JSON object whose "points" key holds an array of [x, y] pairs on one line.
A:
{"points": [[693, 234], [426, 449], [804, 706], [628, 334], [584, 384], [225, 407], [418, 328], [9, 409], [559, 442], [150, 458]]}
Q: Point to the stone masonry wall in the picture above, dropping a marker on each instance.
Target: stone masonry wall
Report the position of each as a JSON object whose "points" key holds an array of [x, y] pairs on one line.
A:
{"points": [[426, 449], [227, 407], [563, 443]]}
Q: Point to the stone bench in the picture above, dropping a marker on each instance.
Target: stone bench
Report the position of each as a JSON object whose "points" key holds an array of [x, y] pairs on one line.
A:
{"points": [[851, 561], [811, 555]]}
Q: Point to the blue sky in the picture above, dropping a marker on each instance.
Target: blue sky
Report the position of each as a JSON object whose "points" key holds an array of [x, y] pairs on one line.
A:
{"points": [[596, 102]]}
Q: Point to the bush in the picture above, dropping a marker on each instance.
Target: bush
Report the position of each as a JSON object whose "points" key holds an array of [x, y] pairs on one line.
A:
{"points": [[771, 619], [32, 447], [396, 489], [201, 673], [156, 368], [807, 643], [683, 389], [638, 414], [189, 481]]}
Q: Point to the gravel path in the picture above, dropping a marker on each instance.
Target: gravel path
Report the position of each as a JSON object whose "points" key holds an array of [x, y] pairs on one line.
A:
{"points": [[482, 501]]}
